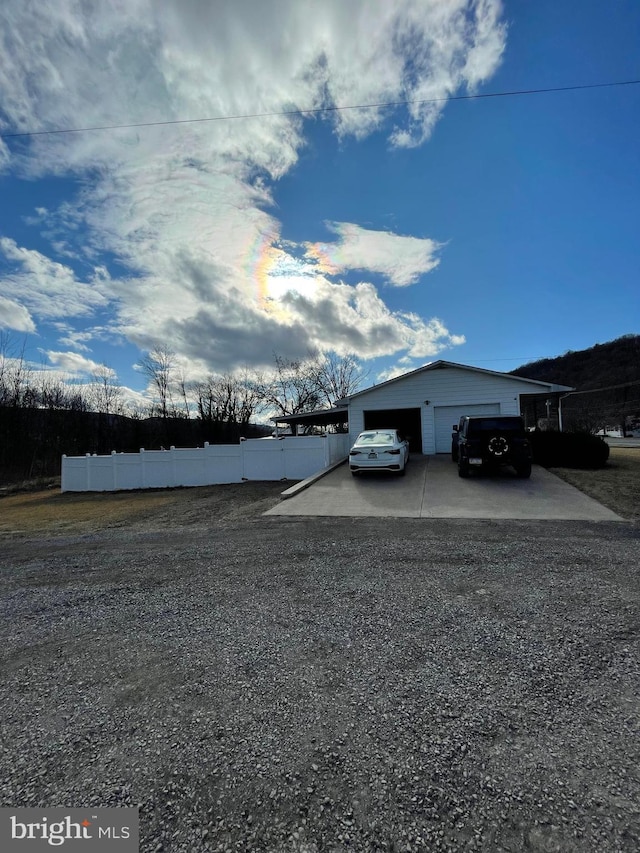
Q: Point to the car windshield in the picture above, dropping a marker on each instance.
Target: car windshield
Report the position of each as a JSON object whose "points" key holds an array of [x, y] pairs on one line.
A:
{"points": [[376, 438], [493, 424]]}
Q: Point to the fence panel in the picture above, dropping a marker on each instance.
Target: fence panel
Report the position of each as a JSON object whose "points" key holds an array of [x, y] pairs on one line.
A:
{"points": [[74, 474], [99, 473], [127, 471], [157, 469], [339, 444], [263, 459], [292, 458], [304, 455], [223, 464]]}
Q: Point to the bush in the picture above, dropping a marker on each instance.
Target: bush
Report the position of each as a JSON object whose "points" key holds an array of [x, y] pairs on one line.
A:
{"points": [[569, 450]]}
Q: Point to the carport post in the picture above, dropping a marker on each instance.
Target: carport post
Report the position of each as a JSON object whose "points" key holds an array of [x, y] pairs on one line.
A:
{"points": [[560, 399]]}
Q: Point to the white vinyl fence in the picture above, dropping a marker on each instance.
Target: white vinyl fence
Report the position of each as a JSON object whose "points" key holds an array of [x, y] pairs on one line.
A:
{"points": [[289, 458]]}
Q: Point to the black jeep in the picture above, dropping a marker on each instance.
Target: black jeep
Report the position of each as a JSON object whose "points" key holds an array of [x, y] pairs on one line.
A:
{"points": [[484, 443]]}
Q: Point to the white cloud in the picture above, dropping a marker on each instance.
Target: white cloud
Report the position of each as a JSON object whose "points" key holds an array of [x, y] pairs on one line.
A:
{"points": [[40, 217], [355, 319], [184, 207], [402, 260], [457, 45], [76, 340], [5, 155], [75, 365], [399, 369], [487, 41], [15, 316], [49, 289]]}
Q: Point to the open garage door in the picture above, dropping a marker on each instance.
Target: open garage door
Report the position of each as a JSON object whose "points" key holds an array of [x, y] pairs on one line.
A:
{"points": [[446, 416], [408, 422]]}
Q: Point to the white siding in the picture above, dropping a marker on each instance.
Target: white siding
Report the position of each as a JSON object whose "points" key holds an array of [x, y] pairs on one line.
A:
{"points": [[446, 386], [446, 416]]}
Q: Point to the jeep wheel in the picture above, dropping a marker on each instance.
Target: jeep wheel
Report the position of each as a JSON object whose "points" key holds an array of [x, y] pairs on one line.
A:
{"points": [[523, 471], [454, 453], [463, 468], [498, 446]]}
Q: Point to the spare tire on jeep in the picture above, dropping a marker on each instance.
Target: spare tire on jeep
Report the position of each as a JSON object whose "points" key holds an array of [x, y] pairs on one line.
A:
{"points": [[498, 446]]}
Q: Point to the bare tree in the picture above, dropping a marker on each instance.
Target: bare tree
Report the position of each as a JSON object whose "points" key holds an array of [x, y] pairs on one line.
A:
{"points": [[4, 365], [339, 376], [15, 374], [105, 395], [182, 387], [250, 398], [228, 401], [158, 365], [317, 382], [53, 393], [293, 386]]}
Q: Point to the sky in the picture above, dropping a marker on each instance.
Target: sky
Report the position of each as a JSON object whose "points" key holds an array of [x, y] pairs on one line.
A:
{"points": [[265, 205]]}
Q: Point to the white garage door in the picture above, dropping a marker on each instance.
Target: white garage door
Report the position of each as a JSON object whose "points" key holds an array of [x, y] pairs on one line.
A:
{"points": [[446, 416]]}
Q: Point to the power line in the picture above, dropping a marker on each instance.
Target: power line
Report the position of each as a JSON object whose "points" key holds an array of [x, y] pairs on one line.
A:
{"points": [[519, 358], [319, 110], [606, 388]]}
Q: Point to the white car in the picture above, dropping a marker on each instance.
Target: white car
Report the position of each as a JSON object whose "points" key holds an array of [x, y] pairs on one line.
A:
{"points": [[379, 450]]}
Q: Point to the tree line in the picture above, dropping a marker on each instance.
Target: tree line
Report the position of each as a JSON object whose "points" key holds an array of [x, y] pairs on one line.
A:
{"points": [[615, 362], [43, 417]]}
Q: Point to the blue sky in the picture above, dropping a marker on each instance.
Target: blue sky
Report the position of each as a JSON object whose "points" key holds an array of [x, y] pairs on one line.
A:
{"points": [[489, 232]]}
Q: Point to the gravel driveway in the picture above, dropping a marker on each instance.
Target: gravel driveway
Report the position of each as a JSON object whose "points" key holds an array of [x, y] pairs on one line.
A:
{"points": [[289, 684]]}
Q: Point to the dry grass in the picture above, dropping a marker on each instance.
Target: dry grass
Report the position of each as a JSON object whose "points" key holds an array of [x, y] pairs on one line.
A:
{"points": [[617, 485], [33, 512], [51, 512]]}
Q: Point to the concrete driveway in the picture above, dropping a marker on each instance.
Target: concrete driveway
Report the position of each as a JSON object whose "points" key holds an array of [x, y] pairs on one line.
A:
{"points": [[431, 488]]}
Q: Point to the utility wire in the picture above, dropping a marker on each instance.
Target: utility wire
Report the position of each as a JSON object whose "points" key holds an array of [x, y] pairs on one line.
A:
{"points": [[606, 388], [319, 110]]}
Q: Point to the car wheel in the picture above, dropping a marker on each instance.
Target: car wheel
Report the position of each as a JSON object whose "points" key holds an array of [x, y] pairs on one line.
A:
{"points": [[402, 472], [523, 471], [354, 473], [454, 454], [463, 468]]}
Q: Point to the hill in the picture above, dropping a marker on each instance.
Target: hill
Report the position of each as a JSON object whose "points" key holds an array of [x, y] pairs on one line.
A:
{"points": [[613, 363]]}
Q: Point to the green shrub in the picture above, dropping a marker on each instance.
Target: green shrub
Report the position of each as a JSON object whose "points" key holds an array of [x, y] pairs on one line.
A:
{"points": [[569, 450]]}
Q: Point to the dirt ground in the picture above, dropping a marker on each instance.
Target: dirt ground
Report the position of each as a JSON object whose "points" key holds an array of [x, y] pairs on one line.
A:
{"points": [[50, 511]]}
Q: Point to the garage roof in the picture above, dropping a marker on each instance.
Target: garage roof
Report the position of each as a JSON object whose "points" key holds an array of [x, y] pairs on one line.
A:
{"points": [[440, 365], [321, 417]]}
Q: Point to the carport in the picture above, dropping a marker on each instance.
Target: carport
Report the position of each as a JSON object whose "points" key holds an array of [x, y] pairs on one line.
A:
{"points": [[337, 416]]}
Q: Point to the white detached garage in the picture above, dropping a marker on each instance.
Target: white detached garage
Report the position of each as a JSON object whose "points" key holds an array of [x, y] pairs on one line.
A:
{"points": [[425, 403]]}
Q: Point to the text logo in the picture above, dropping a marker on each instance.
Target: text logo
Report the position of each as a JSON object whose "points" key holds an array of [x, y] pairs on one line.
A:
{"points": [[108, 829]]}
